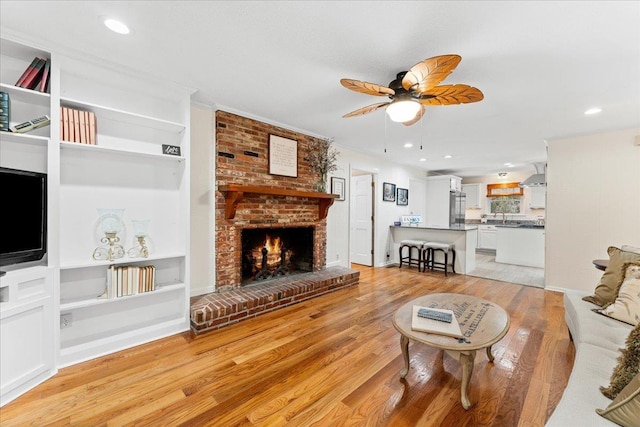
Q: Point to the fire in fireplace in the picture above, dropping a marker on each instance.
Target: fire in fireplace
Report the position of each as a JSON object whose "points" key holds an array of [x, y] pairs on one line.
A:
{"points": [[273, 252]]}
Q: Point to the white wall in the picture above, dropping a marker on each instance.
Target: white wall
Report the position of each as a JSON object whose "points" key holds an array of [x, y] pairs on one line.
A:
{"points": [[202, 225], [593, 202], [385, 212]]}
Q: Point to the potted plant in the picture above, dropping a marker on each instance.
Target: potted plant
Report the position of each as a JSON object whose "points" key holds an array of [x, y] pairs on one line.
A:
{"points": [[323, 160]]}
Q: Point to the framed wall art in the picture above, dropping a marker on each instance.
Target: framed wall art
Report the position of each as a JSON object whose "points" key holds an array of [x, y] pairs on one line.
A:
{"points": [[337, 187], [388, 192], [283, 156], [402, 198]]}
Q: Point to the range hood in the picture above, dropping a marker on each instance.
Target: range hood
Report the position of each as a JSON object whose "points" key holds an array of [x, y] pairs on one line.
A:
{"points": [[539, 179]]}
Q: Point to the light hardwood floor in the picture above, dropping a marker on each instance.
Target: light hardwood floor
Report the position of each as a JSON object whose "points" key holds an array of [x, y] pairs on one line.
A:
{"points": [[488, 268], [330, 361]]}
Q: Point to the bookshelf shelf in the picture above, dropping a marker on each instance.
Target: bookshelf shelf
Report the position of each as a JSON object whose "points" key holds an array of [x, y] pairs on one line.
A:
{"points": [[122, 261], [100, 149], [83, 303], [18, 94], [24, 138], [107, 113]]}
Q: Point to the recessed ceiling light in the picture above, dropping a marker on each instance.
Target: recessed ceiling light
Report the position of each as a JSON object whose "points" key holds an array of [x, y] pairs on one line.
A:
{"points": [[116, 26], [594, 110], [408, 145], [423, 159], [448, 156]]}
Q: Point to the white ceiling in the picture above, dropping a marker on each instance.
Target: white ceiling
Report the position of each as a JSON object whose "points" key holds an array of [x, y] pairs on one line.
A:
{"points": [[540, 65]]}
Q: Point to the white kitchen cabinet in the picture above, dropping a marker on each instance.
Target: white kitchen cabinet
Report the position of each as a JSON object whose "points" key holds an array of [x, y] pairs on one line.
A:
{"points": [[487, 236], [538, 197], [474, 195], [455, 183], [520, 246], [438, 195]]}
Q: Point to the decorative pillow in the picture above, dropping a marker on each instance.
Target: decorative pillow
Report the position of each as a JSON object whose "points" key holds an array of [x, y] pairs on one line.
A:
{"points": [[607, 290], [626, 307], [628, 248], [625, 408], [628, 365]]}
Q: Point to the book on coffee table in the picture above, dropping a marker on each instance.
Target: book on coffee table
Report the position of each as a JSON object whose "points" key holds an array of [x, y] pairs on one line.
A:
{"points": [[431, 326]]}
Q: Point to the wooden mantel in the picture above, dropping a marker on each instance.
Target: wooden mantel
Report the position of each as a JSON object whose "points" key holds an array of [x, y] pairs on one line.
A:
{"points": [[234, 193]]}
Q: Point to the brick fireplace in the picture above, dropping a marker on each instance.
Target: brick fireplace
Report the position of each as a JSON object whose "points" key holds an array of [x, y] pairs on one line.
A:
{"points": [[242, 159], [247, 199]]}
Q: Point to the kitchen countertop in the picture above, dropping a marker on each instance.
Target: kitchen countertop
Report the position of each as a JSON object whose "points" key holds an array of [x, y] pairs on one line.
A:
{"points": [[508, 224], [461, 227], [525, 226]]}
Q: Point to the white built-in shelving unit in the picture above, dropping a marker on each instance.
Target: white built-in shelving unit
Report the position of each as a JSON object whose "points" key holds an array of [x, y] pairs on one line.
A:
{"points": [[126, 169]]}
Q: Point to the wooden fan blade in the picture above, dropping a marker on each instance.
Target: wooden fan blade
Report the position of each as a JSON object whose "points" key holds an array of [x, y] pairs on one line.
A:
{"points": [[367, 88], [416, 119], [451, 94], [366, 110], [428, 73]]}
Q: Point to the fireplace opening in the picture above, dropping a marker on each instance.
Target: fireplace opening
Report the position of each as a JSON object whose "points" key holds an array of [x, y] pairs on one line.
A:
{"points": [[272, 252]]}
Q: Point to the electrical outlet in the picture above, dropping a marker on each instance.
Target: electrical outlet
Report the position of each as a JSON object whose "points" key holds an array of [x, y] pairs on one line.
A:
{"points": [[66, 320], [338, 257]]}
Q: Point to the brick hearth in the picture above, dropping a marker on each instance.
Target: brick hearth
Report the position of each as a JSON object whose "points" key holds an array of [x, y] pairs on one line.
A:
{"points": [[213, 311]]}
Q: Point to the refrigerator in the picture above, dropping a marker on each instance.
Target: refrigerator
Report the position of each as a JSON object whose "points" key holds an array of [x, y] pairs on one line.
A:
{"points": [[457, 205]]}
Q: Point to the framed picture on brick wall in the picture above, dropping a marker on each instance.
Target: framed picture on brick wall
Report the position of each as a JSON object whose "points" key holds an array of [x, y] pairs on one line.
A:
{"points": [[283, 156]]}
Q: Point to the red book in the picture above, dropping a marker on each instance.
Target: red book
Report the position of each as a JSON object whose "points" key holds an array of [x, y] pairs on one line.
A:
{"points": [[26, 72], [45, 76], [33, 77]]}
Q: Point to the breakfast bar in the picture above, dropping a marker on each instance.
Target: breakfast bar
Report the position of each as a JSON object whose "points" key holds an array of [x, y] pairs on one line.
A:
{"points": [[463, 236]]}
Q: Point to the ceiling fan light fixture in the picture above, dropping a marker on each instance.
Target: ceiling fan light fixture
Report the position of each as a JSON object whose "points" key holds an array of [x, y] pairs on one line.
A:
{"points": [[403, 111], [116, 26]]}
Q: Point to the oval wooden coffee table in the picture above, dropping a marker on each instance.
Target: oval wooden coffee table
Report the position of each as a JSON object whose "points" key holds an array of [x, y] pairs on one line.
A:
{"points": [[482, 324]]}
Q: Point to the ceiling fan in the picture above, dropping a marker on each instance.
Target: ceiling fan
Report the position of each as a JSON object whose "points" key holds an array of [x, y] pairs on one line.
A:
{"points": [[413, 89]]}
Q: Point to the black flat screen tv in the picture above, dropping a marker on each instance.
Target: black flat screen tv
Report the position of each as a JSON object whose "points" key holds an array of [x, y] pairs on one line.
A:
{"points": [[24, 216]]}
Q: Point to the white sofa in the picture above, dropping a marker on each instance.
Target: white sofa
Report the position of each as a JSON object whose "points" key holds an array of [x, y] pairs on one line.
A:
{"points": [[598, 340]]}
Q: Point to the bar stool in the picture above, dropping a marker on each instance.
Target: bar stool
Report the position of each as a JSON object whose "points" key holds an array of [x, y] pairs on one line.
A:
{"points": [[412, 245], [429, 255]]}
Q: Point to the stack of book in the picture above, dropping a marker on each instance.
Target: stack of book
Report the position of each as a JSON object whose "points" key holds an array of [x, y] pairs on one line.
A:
{"points": [[128, 280], [36, 76], [77, 126], [5, 111], [435, 321]]}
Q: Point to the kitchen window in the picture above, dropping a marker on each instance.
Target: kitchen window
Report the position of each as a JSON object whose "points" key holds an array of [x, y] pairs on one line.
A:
{"points": [[506, 205]]}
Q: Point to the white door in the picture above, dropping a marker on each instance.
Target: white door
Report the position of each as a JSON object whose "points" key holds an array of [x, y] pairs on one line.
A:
{"points": [[362, 220]]}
